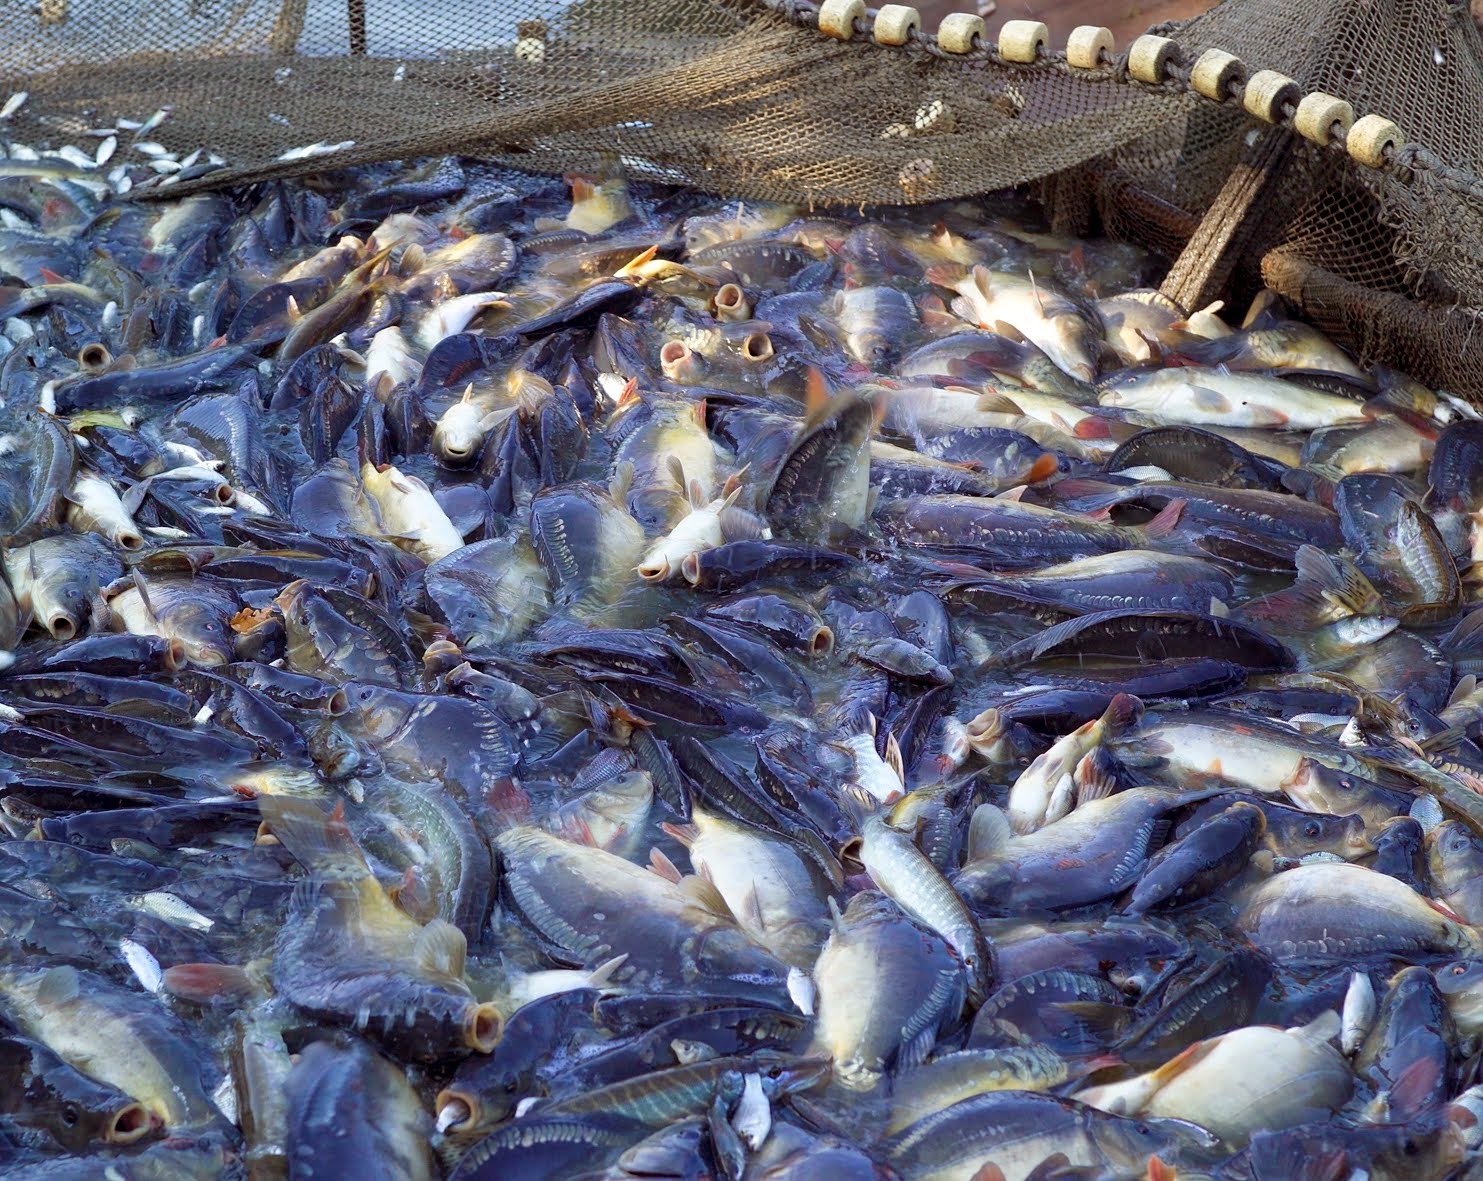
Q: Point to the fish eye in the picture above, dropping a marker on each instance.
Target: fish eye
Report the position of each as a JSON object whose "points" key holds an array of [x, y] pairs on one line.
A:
{"points": [[1346, 784], [70, 1114], [1312, 829], [1459, 969], [1409, 1146]]}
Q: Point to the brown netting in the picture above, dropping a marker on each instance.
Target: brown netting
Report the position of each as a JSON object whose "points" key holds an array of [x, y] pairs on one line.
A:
{"points": [[747, 97]]}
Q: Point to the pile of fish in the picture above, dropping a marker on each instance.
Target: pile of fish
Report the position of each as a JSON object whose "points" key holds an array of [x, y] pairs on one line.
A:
{"points": [[522, 678]]}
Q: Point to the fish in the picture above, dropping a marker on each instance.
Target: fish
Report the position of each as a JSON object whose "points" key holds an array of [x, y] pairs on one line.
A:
{"points": [[886, 988], [505, 676], [1036, 311], [1254, 1078]]}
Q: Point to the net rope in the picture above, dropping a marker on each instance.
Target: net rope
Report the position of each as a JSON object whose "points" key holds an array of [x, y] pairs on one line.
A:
{"points": [[749, 98]]}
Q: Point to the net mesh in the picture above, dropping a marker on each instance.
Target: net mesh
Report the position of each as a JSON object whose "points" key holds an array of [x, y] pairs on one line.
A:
{"points": [[749, 99]]}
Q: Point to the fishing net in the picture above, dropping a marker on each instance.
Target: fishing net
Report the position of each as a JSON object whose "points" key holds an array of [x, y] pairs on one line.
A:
{"points": [[750, 98]]}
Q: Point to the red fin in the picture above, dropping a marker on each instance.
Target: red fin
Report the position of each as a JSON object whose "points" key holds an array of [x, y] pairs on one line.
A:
{"points": [[1093, 427], [660, 863], [1042, 469], [1415, 1085], [816, 392], [50, 276], [989, 1172], [1168, 518], [510, 801], [205, 983], [946, 274], [1159, 1171]]}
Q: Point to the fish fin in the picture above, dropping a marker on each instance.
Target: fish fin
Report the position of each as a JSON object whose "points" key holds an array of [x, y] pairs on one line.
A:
{"points": [[1123, 710], [621, 481], [988, 832], [815, 390], [291, 310], [321, 842], [998, 402], [1466, 639], [676, 471], [1042, 469], [1323, 1028], [142, 586], [1334, 578], [962, 307], [660, 863], [1167, 519], [205, 983], [1465, 688], [1093, 778], [414, 259], [939, 320], [1218, 608], [1159, 1171], [857, 802], [60, 986], [946, 274], [686, 834], [703, 893], [1204, 398], [441, 950], [988, 1171], [1007, 330], [1183, 1060], [892, 757], [914, 1052], [602, 975], [633, 265], [1411, 1088], [1055, 1167], [751, 908]]}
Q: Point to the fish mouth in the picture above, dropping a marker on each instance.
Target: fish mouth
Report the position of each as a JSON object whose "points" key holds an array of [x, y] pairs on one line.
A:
{"points": [[458, 1110], [677, 360], [129, 1123], [655, 571], [174, 655], [690, 568], [456, 454], [757, 347], [483, 1028], [731, 302], [336, 703], [130, 540], [94, 357], [224, 494], [821, 642], [62, 626]]}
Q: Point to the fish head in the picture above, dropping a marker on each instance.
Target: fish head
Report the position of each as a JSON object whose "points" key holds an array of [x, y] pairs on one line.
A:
{"points": [[82, 1113], [459, 433], [1454, 855], [203, 633], [1129, 1143]]}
